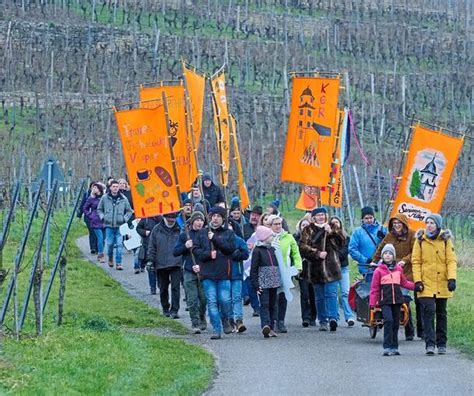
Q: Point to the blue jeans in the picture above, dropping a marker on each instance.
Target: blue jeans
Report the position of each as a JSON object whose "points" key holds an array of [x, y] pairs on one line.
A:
{"points": [[326, 301], [237, 307], [345, 284], [99, 234], [218, 297], [136, 262], [114, 239], [252, 293]]}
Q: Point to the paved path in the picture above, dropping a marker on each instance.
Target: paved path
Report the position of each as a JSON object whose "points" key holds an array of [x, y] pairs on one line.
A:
{"points": [[306, 361]]}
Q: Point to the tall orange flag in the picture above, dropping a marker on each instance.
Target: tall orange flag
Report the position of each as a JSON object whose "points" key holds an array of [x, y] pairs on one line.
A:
{"points": [[195, 87], [147, 156], [221, 123], [185, 160], [243, 193], [425, 179], [311, 131]]}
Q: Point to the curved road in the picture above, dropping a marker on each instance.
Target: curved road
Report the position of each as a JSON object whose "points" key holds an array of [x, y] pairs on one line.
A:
{"points": [[305, 361]]}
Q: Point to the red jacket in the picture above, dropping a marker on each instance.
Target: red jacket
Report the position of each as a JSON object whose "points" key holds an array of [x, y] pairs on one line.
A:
{"points": [[386, 287]]}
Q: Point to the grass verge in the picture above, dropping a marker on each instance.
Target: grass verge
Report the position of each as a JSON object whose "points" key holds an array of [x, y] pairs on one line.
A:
{"points": [[95, 351]]}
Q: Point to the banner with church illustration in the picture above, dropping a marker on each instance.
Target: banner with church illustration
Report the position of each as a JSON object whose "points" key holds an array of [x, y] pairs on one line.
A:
{"points": [[195, 87], [243, 193], [151, 97], [428, 168], [147, 156], [311, 131], [221, 123]]}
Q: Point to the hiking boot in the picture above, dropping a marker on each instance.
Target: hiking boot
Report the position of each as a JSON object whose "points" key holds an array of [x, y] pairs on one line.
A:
{"points": [[101, 258], [312, 323], [256, 314], [441, 350], [350, 322], [246, 301], [233, 325], [153, 292], [323, 326], [409, 338], [333, 324], [174, 315], [430, 350], [216, 336], [386, 352], [119, 267], [266, 331], [281, 328], [305, 323], [272, 334], [166, 313], [421, 335], [196, 329], [395, 352], [227, 326], [137, 270], [111, 262], [203, 324], [240, 326]]}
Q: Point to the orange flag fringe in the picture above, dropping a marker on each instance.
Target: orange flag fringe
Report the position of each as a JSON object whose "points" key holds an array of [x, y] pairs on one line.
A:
{"points": [[425, 180], [221, 123], [186, 167], [147, 158], [243, 193], [311, 131], [195, 86]]}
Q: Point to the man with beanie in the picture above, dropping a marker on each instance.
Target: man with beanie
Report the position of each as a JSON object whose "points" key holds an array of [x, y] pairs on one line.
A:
{"points": [[195, 297], [434, 272], [212, 193], [185, 213], [214, 248], [365, 239], [168, 267]]}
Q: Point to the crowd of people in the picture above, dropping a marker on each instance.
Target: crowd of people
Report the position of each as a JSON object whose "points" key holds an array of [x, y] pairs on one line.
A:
{"points": [[226, 257]]}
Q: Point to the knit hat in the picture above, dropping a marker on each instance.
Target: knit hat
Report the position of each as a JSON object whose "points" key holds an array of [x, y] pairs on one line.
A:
{"points": [[276, 203], [389, 248], [206, 176], [262, 233], [316, 211], [218, 210], [257, 209], [198, 207], [438, 220], [367, 210], [187, 201], [194, 216]]}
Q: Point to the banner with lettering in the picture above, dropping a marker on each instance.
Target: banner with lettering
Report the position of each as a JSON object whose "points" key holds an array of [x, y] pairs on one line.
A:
{"points": [[151, 97], [243, 193], [311, 131], [428, 168], [147, 156], [221, 123], [195, 87]]}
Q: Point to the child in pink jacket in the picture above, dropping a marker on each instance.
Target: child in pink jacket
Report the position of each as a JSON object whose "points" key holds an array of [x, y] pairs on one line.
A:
{"points": [[386, 291]]}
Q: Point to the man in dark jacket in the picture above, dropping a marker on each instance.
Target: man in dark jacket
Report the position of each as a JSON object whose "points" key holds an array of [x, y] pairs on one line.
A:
{"points": [[144, 229], [195, 297], [80, 212], [114, 210], [212, 193], [168, 267], [214, 248]]}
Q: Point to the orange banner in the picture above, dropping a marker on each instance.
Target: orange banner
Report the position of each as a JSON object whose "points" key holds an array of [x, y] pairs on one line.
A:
{"points": [[309, 199], [195, 86], [182, 143], [243, 193], [311, 131], [425, 180], [221, 123], [148, 160]]}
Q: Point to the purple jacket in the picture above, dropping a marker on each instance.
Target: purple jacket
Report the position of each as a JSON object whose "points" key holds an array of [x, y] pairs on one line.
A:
{"points": [[90, 211]]}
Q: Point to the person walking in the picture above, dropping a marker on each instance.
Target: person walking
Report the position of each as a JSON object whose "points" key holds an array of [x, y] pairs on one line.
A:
{"points": [[320, 245], [402, 238], [434, 271], [214, 248], [286, 246], [265, 277], [114, 210], [386, 292], [80, 212], [195, 297], [161, 259], [94, 221], [365, 239], [212, 193], [307, 297]]}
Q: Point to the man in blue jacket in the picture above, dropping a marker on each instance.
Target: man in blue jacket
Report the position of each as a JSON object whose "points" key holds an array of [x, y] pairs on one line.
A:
{"points": [[365, 239]]}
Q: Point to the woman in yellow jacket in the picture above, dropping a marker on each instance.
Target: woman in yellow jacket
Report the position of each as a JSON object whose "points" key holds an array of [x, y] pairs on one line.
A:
{"points": [[434, 268]]}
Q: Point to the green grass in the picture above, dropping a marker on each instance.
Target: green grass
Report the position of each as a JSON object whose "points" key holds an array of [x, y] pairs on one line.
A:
{"points": [[98, 349]]}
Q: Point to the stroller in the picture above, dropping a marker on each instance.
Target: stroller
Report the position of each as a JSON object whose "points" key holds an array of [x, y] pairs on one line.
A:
{"points": [[372, 318]]}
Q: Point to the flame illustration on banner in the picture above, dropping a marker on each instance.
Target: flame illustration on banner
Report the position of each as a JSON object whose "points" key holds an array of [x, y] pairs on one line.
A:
{"points": [[243, 193], [429, 165]]}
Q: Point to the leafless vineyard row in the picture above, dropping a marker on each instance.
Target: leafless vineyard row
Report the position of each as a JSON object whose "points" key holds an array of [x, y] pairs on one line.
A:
{"points": [[65, 63]]}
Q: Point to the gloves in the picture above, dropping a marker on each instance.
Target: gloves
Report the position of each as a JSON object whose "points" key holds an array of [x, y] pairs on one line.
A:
{"points": [[451, 285], [149, 266], [419, 286]]}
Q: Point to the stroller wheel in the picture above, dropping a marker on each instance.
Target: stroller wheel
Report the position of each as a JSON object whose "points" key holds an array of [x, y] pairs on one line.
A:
{"points": [[373, 331]]}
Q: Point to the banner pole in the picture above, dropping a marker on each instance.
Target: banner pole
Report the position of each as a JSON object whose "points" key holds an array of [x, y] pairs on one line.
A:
{"points": [[334, 153]]}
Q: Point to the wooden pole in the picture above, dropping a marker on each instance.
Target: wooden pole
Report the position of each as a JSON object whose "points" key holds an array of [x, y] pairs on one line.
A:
{"points": [[62, 289]]}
